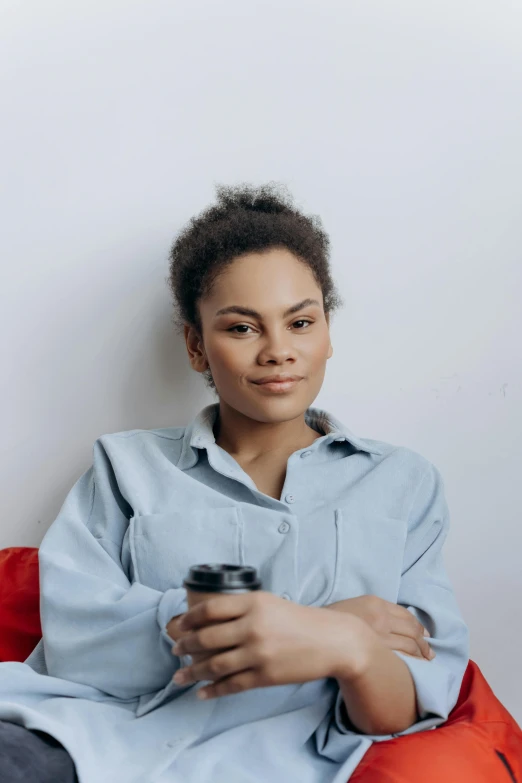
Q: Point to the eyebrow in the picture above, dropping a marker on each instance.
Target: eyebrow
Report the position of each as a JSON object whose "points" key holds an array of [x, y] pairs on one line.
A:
{"points": [[254, 314]]}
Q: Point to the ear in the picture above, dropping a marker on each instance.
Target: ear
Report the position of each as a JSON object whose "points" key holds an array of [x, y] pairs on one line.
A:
{"points": [[330, 350], [195, 348]]}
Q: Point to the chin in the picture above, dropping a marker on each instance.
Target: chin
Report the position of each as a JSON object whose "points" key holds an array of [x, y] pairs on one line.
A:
{"points": [[276, 407]]}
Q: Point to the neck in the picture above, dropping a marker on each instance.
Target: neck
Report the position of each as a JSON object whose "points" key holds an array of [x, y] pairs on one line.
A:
{"points": [[249, 440]]}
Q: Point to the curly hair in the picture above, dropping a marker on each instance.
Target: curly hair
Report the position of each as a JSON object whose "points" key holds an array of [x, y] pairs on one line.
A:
{"points": [[244, 219]]}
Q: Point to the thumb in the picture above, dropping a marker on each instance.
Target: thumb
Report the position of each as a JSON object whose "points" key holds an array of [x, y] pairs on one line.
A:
{"points": [[173, 627]]}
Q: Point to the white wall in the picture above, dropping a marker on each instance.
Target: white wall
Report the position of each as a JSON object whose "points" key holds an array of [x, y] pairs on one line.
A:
{"points": [[399, 123]]}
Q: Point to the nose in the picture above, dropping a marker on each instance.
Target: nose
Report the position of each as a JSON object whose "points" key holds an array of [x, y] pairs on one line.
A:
{"points": [[277, 347]]}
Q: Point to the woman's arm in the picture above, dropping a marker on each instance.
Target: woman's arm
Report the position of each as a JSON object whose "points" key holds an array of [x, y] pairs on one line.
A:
{"points": [[380, 697], [410, 694], [98, 628]]}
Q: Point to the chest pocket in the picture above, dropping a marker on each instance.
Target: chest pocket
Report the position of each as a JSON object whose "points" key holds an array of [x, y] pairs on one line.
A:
{"points": [[369, 555], [164, 546]]}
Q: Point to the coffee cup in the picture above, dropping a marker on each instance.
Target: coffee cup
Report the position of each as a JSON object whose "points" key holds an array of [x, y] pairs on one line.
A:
{"points": [[210, 579]]}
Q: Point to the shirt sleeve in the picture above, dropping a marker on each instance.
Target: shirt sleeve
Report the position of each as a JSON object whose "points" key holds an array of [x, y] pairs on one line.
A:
{"points": [[99, 629], [426, 592]]}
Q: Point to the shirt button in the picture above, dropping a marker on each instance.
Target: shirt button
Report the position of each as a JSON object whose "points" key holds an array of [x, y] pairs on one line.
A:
{"points": [[289, 498], [306, 453], [284, 527], [285, 596], [339, 440]]}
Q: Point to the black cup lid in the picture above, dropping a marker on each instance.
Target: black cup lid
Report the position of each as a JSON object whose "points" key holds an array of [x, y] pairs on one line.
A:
{"points": [[213, 577]]}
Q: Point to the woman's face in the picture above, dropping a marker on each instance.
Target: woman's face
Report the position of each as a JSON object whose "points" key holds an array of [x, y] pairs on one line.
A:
{"points": [[240, 348]]}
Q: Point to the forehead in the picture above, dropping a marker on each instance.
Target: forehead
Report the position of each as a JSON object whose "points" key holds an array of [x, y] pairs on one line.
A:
{"points": [[273, 276]]}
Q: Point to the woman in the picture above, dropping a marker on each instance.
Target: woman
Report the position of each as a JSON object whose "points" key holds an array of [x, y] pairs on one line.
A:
{"points": [[295, 681]]}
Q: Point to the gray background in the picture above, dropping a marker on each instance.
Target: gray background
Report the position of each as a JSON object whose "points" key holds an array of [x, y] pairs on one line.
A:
{"points": [[399, 123]]}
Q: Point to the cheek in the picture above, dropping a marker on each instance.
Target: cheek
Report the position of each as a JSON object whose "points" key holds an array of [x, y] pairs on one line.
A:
{"points": [[225, 357], [318, 352]]}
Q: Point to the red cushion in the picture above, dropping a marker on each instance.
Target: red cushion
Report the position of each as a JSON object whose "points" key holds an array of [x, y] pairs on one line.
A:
{"points": [[479, 743], [20, 628]]}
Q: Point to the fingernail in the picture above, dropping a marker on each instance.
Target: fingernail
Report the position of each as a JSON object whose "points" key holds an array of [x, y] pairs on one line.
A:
{"points": [[176, 649], [432, 654], [202, 695], [180, 677], [426, 632]]}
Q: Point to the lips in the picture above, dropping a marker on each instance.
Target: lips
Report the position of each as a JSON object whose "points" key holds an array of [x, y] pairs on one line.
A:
{"points": [[273, 379], [278, 387]]}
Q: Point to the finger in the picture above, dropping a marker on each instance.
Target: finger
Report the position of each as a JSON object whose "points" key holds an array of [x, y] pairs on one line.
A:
{"points": [[216, 667], [212, 637], [401, 612], [404, 644], [197, 657], [417, 631], [419, 647], [173, 626], [243, 681], [215, 610], [425, 648], [202, 656], [403, 626]]}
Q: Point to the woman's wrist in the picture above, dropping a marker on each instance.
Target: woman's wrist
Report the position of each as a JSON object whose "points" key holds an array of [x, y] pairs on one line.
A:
{"points": [[377, 687], [354, 648]]}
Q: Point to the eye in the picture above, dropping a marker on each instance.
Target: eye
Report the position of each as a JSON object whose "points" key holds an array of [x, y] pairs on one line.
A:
{"points": [[239, 326], [246, 326]]}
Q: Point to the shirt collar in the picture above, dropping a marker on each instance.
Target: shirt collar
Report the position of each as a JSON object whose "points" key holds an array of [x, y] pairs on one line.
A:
{"points": [[199, 433]]}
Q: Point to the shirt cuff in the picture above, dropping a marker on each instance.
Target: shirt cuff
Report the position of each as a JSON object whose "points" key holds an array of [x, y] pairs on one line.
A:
{"points": [[433, 684], [172, 603]]}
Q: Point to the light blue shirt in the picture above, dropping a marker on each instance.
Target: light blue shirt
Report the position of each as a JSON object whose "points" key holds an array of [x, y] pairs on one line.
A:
{"points": [[355, 517]]}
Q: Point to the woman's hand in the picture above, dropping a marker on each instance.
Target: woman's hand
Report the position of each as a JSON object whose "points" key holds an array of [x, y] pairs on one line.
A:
{"points": [[174, 632], [173, 627], [397, 628], [259, 639]]}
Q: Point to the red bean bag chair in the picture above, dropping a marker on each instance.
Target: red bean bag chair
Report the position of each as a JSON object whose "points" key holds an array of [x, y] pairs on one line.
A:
{"points": [[20, 629], [479, 743]]}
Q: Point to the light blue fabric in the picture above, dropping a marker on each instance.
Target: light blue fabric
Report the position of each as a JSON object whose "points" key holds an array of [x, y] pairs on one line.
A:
{"points": [[355, 517]]}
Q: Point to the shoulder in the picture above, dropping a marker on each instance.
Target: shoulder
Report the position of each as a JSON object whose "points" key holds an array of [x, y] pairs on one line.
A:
{"points": [[406, 472], [167, 433], [416, 486], [398, 457], [138, 444]]}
